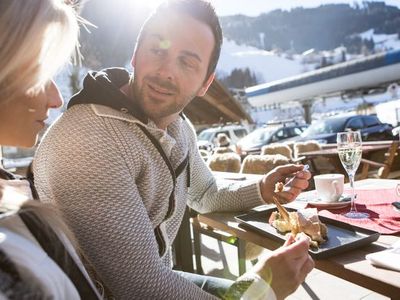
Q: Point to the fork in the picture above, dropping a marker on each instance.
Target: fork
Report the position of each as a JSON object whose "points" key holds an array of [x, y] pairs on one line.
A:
{"points": [[305, 168]]}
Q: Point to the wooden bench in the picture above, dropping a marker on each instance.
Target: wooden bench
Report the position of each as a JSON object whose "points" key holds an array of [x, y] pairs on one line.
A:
{"points": [[389, 168]]}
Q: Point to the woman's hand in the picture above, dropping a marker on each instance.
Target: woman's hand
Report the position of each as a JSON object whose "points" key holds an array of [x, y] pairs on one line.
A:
{"points": [[281, 174]]}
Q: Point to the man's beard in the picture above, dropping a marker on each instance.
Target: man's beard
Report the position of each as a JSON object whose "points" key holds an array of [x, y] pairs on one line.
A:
{"points": [[141, 99]]}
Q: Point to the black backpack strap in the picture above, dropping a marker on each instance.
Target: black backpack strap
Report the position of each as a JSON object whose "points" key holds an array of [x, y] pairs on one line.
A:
{"points": [[182, 166], [7, 175], [31, 180], [159, 148], [56, 250], [174, 173]]}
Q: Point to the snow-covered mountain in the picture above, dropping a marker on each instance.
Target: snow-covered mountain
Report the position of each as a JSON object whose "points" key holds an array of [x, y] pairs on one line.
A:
{"points": [[269, 66], [266, 65], [273, 67], [382, 41]]}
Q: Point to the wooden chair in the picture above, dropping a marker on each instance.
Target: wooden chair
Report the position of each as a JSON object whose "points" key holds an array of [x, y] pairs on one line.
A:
{"points": [[277, 149], [225, 162], [290, 144], [221, 150], [382, 169], [283, 149], [262, 164], [319, 165]]}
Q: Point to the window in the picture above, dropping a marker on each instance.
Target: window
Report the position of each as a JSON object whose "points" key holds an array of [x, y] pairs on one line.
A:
{"points": [[370, 121], [297, 131], [355, 123], [325, 126], [281, 134], [205, 135], [240, 133]]}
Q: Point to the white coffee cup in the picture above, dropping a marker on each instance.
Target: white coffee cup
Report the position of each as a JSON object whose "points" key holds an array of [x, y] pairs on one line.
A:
{"points": [[329, 186]]}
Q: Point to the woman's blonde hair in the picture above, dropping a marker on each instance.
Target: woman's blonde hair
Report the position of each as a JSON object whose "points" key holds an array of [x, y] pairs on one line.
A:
{"points": [[37, 37]]}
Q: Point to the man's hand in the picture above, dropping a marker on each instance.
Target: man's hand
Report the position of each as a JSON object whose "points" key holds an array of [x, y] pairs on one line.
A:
{"points": [[14, 192], [282, 174], [286, 268]]}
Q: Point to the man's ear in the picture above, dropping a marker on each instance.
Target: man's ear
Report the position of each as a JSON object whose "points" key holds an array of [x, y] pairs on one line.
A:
{"points": [[206, 85]]}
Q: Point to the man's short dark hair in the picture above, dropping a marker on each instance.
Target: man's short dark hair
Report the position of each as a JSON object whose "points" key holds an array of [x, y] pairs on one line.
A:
{"points": [[200, 10]]}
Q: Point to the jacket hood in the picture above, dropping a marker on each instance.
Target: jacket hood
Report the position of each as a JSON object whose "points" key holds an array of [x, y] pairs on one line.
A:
{"points": [[103, 88]]}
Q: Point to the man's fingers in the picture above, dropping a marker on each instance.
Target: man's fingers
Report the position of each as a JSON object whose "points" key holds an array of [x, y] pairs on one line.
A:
{"points": [[288, 196], [307, 267], [296, 186], [309, 264], [290, 240], [299, 248], [288, 169]]}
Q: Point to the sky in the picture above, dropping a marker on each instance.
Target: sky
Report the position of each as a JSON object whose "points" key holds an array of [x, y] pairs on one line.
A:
{"points": [[255, 7]]}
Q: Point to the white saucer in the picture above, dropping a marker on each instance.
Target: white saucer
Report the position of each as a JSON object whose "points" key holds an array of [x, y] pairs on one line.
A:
{"points": [[344, 201]]}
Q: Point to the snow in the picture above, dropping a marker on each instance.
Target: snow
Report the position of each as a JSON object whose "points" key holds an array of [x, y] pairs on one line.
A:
{"points": [[382, 41], [263, 63], [269, 66]]}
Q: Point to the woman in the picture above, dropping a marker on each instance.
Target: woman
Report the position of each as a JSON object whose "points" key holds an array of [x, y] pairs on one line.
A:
{"points": [[38, 259]]}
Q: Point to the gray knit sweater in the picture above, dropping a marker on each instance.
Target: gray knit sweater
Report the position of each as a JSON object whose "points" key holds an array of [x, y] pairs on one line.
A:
{"points": [[113, 188]]}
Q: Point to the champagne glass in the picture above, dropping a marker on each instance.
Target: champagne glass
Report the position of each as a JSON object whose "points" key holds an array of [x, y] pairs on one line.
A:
{"points": [[349, 148]]}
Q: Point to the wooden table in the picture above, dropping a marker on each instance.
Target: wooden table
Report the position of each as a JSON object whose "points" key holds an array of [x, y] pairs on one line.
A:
{"points": [[182, 245], [351, 266]]}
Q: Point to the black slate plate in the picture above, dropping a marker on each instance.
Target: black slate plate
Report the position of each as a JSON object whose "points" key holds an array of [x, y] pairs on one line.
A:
{"points": [[341, 236]]}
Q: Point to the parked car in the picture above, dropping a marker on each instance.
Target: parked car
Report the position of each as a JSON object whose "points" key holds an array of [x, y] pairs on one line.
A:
{"points": [[207, 139], [325, 131], [253, 142]]}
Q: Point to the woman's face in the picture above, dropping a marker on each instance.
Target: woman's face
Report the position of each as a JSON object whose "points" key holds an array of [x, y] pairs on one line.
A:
{"points": [[22, 118]]}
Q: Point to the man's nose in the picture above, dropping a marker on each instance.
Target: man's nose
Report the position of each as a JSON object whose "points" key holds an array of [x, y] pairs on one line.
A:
{"points": [[53, 95], [166, 68]]}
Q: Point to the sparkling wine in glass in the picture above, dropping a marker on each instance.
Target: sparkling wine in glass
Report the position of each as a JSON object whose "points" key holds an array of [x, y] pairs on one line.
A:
{"points": [[349, 148]]}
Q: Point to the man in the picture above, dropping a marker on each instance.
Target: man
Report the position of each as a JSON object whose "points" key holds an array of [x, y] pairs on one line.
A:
{"points": [[122, 176]]}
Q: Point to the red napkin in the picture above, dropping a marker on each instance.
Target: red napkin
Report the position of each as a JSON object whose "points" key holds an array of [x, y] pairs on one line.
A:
{"points": [[378, 203]]}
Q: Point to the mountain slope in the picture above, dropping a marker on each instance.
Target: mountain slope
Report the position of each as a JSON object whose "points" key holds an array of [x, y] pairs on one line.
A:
{"points": [[266, 65], [322, 28]]}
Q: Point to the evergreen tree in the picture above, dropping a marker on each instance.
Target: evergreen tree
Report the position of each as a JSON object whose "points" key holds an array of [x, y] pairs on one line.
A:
{"points": [[239, 79]]}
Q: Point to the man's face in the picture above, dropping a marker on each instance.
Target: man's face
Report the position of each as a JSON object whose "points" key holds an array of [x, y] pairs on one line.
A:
{"points": [[170, 65]]}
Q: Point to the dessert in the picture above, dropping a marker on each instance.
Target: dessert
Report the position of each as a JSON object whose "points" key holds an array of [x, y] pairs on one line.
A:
{"points": [[304, 221], [299, 223]]}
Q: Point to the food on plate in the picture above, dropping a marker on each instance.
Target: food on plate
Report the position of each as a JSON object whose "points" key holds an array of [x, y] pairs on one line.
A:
{"points": [[302, 221], [283, 212]]}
